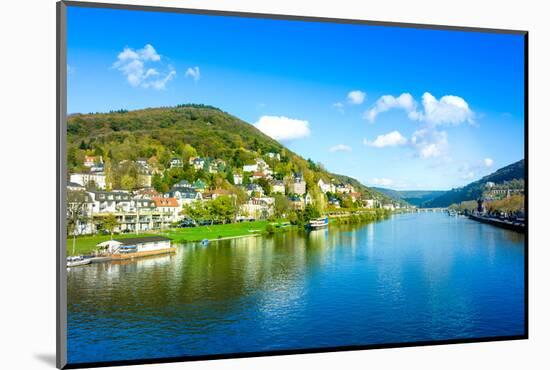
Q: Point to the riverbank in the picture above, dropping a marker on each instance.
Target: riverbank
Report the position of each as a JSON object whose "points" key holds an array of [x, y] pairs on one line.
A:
{"points": [[514, 226], [87, 244]]}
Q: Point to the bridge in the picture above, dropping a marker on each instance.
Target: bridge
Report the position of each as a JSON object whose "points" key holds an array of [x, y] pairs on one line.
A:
{"points": [[418, 210]]}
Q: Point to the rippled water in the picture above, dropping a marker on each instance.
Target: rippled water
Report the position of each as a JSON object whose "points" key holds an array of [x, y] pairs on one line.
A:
{"points": [[409, 278]]}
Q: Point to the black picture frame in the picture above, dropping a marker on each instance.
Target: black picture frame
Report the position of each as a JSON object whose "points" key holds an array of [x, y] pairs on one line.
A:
{"points": [[61, 165]]}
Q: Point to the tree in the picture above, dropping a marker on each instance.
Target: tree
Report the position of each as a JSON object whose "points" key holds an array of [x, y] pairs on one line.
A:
{"points": [[223, 208], [76, 214], [265, 184], [110, 223], [281, 206], [127, 182]]}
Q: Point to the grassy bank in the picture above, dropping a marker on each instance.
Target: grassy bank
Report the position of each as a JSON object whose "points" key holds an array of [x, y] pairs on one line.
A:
{"points": [[87, 244]]}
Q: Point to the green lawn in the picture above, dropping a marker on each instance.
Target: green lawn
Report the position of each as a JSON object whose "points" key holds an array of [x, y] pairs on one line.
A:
{"points": [[87, 244]]}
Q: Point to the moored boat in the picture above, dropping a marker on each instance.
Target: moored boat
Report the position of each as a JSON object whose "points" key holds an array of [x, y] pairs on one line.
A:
{"points": [[127, 248], [317, 223], [77, 261]]}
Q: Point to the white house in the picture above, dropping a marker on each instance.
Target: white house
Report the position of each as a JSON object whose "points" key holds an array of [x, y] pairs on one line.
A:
{"points": [[176, 163], [297, 186], [254, 188], [257, 208], [276, 156], [325, 187], [169, 208], [250, 167], [237, 179], [369, 203], [98, 178], [278, 187], [111, 201]]}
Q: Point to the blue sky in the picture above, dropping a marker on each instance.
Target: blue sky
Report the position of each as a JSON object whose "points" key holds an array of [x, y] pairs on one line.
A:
{"points": [[394, 107]]}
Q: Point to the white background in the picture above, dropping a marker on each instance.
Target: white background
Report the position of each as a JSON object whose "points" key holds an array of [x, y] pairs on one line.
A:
{"points": [[27, 181]]}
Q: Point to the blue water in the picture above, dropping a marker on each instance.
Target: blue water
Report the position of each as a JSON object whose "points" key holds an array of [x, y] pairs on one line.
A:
{"points": [[413, 277]]}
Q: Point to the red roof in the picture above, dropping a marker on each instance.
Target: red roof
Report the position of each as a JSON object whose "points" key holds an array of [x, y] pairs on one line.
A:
{"points": [[165, 202]]}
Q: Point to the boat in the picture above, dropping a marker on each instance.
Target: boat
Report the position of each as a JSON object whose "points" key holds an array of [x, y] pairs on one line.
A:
{"points": [[128, 248], [317, 223], [77, 261], [205, 242]]}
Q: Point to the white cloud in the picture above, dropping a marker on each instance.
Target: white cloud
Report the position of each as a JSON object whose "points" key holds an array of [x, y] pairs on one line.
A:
{"points": [[404, 101], [340, 148], [283, 128], [134, 65], [449, 110], [338, 106], [429, 143], [488, 162], [381, 181], [194, 73], [356, 97], [393, 138]]}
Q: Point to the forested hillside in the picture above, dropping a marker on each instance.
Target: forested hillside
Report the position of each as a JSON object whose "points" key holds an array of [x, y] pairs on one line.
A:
{"points": [[160, 134], [474, 190]]}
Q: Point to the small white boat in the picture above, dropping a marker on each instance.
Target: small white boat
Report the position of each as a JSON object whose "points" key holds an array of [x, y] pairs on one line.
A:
{"points": [[77, 261], [317, 223]]}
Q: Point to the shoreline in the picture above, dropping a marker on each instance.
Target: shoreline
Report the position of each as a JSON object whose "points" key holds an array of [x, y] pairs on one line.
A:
{"points": [[517, 227]]}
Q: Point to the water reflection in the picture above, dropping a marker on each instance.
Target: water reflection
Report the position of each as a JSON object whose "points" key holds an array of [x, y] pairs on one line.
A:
{"points": [[411, 277]]}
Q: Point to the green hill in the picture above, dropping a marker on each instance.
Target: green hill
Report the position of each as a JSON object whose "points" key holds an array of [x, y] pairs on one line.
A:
{"points": [[183, 131], [472, 191]]}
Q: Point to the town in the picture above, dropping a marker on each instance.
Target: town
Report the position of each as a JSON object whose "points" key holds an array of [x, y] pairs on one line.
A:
{"points": [[219, 194]]}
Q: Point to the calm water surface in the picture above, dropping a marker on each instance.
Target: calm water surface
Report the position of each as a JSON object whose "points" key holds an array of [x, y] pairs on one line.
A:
{"points": [[412, 277]]}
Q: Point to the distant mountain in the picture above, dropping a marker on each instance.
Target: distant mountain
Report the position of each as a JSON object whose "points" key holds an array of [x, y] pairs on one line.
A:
{"points": [[413, 197], [472, 191]]}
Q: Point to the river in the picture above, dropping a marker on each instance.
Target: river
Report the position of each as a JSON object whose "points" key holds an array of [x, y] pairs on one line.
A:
{"points": [[412, 277]]}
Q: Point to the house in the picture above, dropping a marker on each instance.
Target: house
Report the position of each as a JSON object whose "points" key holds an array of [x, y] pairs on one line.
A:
{"points": [[355, 196], [197, 163], [75, 187], [169, 208], [182, 185], [115, 201], [142, 162], [369, 203], [79, 211], [278, 187], [334, 202], [215, 166], [216, 193], [389, 206], [92, 161], [250, 167], [176, 163], [256, 208], [324, 186], [272, 155], [237, 179], [144, 180], [199, 185], [185, 196], [296, 202], [85, 179], [344, 188], [146, 193], [297, 185], [257, 175], [254, 189], [308, 199]]}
